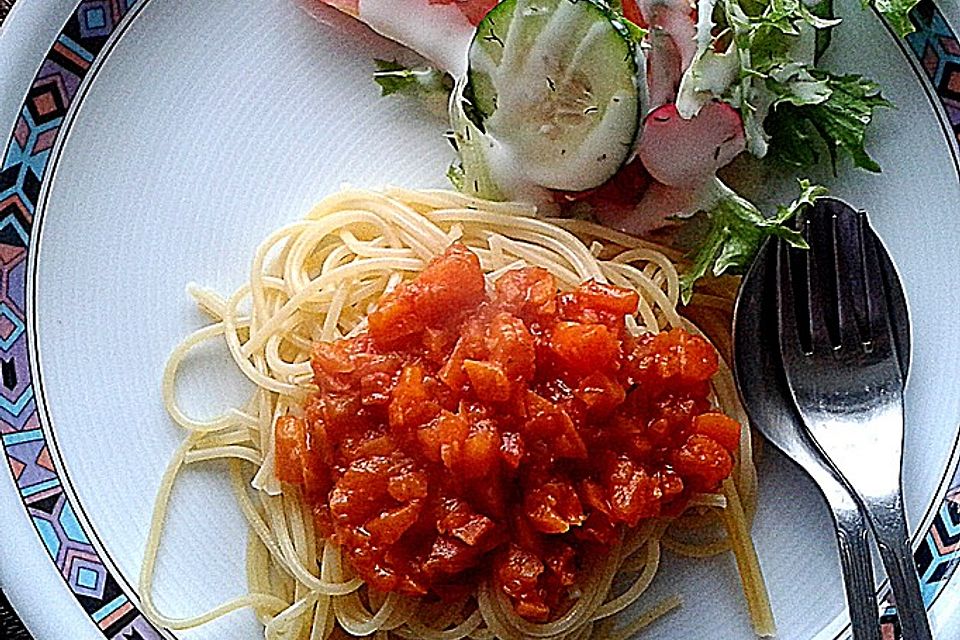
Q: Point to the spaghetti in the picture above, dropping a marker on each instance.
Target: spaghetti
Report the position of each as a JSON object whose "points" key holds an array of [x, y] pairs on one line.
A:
{"points": [[317, 280]]}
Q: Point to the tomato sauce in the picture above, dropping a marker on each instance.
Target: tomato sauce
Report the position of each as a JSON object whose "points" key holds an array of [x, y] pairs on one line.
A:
{"points": [[509, 434]]}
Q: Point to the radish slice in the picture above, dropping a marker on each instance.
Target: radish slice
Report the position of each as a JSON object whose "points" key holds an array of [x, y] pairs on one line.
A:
{"points": [[687, 153], [673, 46], [657, 208], [347, 6], [439, 30]]}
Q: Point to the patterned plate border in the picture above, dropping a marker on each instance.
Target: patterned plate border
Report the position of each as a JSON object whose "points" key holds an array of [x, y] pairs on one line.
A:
{"points": [[84, 38]]}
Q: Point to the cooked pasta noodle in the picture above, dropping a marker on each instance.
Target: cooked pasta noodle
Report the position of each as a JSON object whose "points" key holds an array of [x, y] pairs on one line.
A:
{"points": [[317, 279]]}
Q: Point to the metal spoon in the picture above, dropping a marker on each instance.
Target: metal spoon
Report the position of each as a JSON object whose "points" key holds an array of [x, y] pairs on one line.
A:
{"points": [[768, 404]]}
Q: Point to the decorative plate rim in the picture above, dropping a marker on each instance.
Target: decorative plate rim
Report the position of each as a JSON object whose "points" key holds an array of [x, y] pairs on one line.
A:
{"points": [[44, 490]]}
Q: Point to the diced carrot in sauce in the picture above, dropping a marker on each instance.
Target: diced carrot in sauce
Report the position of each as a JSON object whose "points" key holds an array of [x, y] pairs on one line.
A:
{"points": [[600, 393], [481, 451], [703, 462], [723, 429], [553, 507], [529, 293], [512, 347], [471, 435], [489, 380], [289, 443], [585, 348], [604, 297]]}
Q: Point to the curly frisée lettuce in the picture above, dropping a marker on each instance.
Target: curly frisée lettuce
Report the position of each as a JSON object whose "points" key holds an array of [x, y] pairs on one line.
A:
{"points": [[897, 12], [737, 228], [838, 122]]}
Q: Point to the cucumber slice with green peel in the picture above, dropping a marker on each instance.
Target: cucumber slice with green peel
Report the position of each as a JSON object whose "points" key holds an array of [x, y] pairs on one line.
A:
{"points": [[475, 149], [556, 84]]}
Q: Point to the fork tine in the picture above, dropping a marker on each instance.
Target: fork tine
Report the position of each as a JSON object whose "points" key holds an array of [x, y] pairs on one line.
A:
{"points": [[790, 340], [821, 282], [850, 278], [879, 322], [898, 305]]}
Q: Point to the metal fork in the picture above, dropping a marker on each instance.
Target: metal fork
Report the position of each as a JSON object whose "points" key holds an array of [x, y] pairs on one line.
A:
{"points": [[839, 355], [769, 406]]}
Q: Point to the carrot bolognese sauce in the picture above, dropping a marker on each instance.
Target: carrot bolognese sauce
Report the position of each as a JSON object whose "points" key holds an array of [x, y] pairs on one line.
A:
{"points": [[465, 423], [467, 432]]}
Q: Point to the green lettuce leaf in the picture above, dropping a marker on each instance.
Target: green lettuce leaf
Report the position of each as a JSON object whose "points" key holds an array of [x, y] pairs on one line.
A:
{"points": [[736, 229], [896, 12], [838, 123]]}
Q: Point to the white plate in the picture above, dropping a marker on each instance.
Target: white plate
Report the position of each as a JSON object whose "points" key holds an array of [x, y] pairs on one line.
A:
{"points": [[199, 127]]}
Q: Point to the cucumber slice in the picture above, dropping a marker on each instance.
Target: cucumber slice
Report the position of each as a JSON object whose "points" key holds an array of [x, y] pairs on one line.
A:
{"points": [[475, 149], [555, 83]]}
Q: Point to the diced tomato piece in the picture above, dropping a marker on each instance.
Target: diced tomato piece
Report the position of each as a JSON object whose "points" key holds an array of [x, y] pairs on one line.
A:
{"points": [[685, 357], [438, 343], [290, 443], [389, 526], [315, 458], [449, 556], [378, 445], [408, 484], [585, 348], [553, 508], [511, 346], [428, 437], [601, 394], [632, 492], [511, 449], [532, 607], [450, 285], [481, 450], [674, 416], [341, 413], [720, 427], [592, 495], [598, 528], [461, 522], [561, 561], [452, 430], [329, 361], [412, 405], [452, 373], [359, 493], [517, 571], [671, 484], [703, 462], [489, 380], [395, 321], [606, 297], [529, 293], [548, 422], [375, 388]]}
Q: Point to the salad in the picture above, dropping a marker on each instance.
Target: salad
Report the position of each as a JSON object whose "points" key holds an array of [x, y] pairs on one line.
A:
{"points": [[627, 111]]}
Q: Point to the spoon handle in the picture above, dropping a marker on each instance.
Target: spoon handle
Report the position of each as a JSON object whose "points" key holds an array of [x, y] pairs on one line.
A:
{"points": [[889, 526], [855, 562]]}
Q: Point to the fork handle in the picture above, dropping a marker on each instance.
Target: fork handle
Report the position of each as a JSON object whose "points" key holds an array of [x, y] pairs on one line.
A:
{"points": [[893, 539], [856, 565]]}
